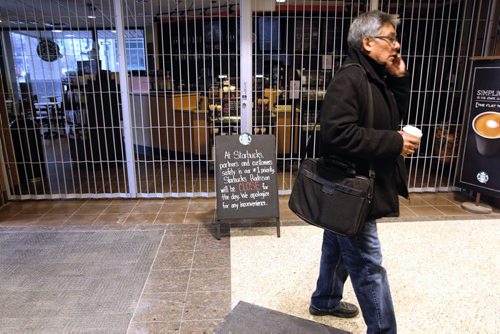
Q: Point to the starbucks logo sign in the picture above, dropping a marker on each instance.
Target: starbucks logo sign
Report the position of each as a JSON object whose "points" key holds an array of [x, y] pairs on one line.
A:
{"points": [[48, 50], [482, 177]]}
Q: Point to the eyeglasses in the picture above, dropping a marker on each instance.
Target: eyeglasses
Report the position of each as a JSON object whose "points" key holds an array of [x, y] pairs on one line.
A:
{"points": [[391, 39]]}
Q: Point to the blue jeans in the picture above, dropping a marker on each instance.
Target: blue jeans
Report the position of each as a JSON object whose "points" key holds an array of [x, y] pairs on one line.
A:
{"points": [[359, 257]]}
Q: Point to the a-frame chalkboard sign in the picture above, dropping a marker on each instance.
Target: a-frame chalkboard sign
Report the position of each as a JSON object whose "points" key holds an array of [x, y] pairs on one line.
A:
{"points": [[246, 186]]}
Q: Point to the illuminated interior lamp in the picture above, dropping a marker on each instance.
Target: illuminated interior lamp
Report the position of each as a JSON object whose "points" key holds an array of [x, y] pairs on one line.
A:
{"points": [[91, 10]]}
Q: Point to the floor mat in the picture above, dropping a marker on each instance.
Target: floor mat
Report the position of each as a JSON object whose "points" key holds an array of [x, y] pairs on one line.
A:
{"points": [[247, 318], [83, 281]]}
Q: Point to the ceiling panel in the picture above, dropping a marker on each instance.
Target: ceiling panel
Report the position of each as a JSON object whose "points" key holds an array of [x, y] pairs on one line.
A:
{"points": [[44, 14], [36, 14]]}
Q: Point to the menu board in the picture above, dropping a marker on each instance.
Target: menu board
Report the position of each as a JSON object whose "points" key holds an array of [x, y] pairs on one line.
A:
{"points": [[481, 157], [245, 169]]}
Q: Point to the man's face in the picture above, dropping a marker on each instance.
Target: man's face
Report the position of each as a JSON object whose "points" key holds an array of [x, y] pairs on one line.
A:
{"points": [[384, 47]]}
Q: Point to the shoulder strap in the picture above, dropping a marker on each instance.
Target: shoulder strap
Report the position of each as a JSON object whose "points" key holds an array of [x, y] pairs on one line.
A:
{"points": [[369, 116]]}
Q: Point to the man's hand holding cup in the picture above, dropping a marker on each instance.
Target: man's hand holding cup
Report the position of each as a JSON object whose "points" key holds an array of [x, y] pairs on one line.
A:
{"points": [[411, 139]]}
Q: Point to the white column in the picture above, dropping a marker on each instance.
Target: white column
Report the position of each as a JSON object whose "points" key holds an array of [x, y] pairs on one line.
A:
{"points": [[9, 73], [246, 65], [125, 100], [373, 4]]}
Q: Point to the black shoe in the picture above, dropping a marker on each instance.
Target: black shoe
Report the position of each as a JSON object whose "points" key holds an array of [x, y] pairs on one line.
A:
{"points": [[342, 310]]}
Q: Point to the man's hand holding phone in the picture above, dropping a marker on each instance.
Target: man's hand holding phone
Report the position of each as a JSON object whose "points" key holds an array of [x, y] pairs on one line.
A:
{"points": [[396, 66]]}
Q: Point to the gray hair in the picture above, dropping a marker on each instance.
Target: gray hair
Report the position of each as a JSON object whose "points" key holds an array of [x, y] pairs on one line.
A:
{"points": [[369, 24]]}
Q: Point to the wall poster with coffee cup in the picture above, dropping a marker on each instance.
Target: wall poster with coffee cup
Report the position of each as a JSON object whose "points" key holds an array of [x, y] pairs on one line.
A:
{"points": [[481, 156]]}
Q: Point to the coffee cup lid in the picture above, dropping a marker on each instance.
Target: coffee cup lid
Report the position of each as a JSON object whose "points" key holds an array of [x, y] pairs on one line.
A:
{"points": [[413, 131]]}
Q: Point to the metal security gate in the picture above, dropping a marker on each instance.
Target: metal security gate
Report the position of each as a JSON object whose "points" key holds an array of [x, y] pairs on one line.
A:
{"points": [[62, 112], [439, 37], [193, 96], [110, 98], [307, 44]]}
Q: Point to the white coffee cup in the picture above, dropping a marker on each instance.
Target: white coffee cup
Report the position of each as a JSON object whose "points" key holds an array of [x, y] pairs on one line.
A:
{"points": [[486, 125], [412, 131]]}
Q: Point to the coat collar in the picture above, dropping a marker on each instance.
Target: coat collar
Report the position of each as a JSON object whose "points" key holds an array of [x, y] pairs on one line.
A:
{"points": [[374, 70]]}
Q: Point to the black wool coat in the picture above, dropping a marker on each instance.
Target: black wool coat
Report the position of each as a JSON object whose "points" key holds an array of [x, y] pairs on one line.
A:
{"points": [[344, 135]]}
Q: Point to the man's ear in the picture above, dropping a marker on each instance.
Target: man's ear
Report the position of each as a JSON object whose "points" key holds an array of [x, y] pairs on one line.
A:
{"points": [[366, 45]]}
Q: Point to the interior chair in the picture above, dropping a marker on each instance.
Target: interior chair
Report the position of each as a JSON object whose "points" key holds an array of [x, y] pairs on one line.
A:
{"points": [[58, 120], [39, 111], [26, 107]]}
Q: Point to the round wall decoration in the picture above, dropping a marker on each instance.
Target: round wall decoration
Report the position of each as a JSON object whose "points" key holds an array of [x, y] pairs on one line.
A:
{"points": [[48, 50]]}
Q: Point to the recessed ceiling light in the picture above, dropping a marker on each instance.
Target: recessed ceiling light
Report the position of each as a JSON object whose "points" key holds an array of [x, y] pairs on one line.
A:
{"points": [[91, 10], [280, 0]]}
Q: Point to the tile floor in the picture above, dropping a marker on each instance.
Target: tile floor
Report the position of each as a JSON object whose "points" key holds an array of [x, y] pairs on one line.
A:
{"points": [[130, 213], [189, 286]]}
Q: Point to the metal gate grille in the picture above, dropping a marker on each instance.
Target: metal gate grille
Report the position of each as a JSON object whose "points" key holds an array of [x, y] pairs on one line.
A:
{"points": [[193, 71], [438, 40], [437, 37], [62, 100], [110, 98]]}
